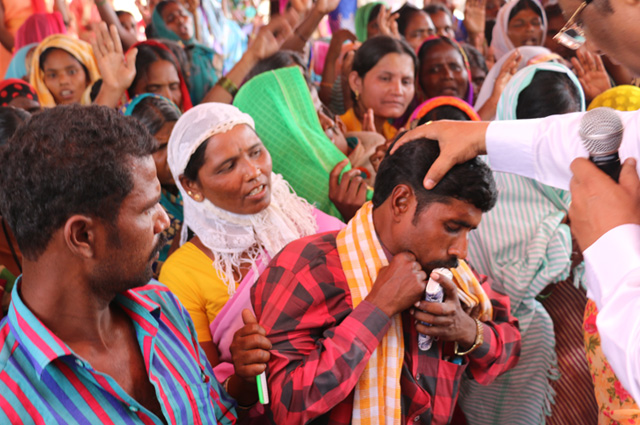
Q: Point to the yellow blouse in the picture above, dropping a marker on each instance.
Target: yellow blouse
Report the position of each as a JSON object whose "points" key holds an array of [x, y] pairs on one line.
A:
{"points": [[190, 275]]}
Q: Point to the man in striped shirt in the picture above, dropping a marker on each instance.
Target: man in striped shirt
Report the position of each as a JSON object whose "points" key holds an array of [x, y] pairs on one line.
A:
{"points": [[88, 339]]}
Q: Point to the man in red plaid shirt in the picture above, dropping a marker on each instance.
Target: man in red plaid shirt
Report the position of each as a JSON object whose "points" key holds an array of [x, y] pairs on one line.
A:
{"points": [[322, 344]]}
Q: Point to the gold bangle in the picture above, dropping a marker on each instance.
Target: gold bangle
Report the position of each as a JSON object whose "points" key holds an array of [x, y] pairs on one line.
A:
{"points": [[477, 343], [228, 85]]}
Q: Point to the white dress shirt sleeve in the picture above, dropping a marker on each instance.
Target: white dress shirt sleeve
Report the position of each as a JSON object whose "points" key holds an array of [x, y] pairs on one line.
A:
{"points": [[542, 149]]}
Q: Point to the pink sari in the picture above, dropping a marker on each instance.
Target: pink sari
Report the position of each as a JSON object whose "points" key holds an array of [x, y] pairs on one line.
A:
{"points": [[229, 320]]}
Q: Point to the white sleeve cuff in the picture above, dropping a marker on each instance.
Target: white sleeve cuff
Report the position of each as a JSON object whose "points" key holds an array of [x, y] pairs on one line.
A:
{"points": [[609, 259]]}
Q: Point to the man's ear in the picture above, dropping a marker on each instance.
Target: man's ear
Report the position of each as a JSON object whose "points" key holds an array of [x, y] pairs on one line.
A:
{"points": [[402, 201], [80, 235]]}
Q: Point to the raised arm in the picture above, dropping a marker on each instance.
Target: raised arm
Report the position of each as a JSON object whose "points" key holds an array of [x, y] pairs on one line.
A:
{"points": [[109, 16]]}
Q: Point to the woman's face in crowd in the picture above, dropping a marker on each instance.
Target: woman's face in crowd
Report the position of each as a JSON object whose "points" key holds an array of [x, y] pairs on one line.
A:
{"points": [[128, 22], [444, 26], [236, 175], [160, 154], [388, 87], [64, 76], [442, 72], [525, 29], [418, 28], [161, 78], [178, 20]]}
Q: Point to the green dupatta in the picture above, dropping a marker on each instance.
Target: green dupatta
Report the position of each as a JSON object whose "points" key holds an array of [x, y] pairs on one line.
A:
{"points": [[280, 104]]}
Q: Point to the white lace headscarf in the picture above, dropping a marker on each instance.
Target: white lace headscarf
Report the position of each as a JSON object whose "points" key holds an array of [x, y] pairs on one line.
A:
{"points": [[234, 239], [500, 40]]}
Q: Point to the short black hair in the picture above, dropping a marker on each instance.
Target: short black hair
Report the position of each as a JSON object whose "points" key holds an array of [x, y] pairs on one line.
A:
{"points": [[72, 159], [10, 119], [549, 93], [526, 5], [154, 112], [471, 181]]}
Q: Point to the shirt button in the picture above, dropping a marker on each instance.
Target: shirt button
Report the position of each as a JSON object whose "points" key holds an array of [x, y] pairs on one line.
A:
{"points": [[418, 376], [205, 377], [132, 408], [416, 419], [79, 363]]}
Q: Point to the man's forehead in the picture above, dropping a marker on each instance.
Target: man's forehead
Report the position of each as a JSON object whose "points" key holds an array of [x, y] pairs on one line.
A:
{"points": [[452, 209]]}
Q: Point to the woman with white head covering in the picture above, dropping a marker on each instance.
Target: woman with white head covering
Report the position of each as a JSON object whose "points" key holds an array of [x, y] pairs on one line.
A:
{"points": [[519, 23], [518, 58], [525, 245], [241, 215]]}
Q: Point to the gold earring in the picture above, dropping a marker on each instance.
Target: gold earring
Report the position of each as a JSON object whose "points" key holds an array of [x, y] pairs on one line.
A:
{"points": [[190, 193], [197, 197]]}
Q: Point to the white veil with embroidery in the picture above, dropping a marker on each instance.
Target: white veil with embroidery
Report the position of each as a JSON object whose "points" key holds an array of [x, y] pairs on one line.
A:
{"points": [[234, 239]]}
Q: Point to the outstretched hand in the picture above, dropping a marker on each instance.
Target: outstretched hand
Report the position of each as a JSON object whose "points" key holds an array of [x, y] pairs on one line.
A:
{"points": [[474, 16], [598, 203], [116, 69], [459, 142], [591, 73], [270, 37]]}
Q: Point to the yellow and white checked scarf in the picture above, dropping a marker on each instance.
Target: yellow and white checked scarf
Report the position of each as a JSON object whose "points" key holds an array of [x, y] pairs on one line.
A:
{"points": [[470, 291], [377, 393]]}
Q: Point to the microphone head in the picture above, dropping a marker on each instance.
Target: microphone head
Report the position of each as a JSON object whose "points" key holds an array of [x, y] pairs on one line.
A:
{"points": [[601, 131]]}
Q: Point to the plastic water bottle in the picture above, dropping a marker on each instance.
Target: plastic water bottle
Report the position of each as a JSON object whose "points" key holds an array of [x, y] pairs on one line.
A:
{"points": [[433, 293]]}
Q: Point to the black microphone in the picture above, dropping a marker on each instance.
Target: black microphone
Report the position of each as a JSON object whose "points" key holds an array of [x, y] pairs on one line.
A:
{"points": [[601, 131]]}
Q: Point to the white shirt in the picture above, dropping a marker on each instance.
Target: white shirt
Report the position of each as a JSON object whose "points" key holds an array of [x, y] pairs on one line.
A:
{"points": [[543, 149]]}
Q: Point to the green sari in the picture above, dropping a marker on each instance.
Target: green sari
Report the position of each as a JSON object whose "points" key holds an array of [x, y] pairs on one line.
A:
{"points": [[280, 104]]}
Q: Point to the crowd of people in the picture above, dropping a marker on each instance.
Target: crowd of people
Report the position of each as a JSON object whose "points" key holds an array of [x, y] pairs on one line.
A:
{"points": [[206, 198]]}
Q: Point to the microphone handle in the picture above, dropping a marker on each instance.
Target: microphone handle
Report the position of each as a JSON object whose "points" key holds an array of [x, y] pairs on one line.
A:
{"points": [[610, 164]]}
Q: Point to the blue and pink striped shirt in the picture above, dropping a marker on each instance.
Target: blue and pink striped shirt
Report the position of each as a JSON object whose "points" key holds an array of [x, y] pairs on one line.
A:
{"points": [[42, 381]]}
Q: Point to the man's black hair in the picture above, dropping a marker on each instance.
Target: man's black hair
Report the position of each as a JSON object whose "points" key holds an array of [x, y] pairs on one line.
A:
{"points": [[470, 182], [67, 160], [10, 119]]}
